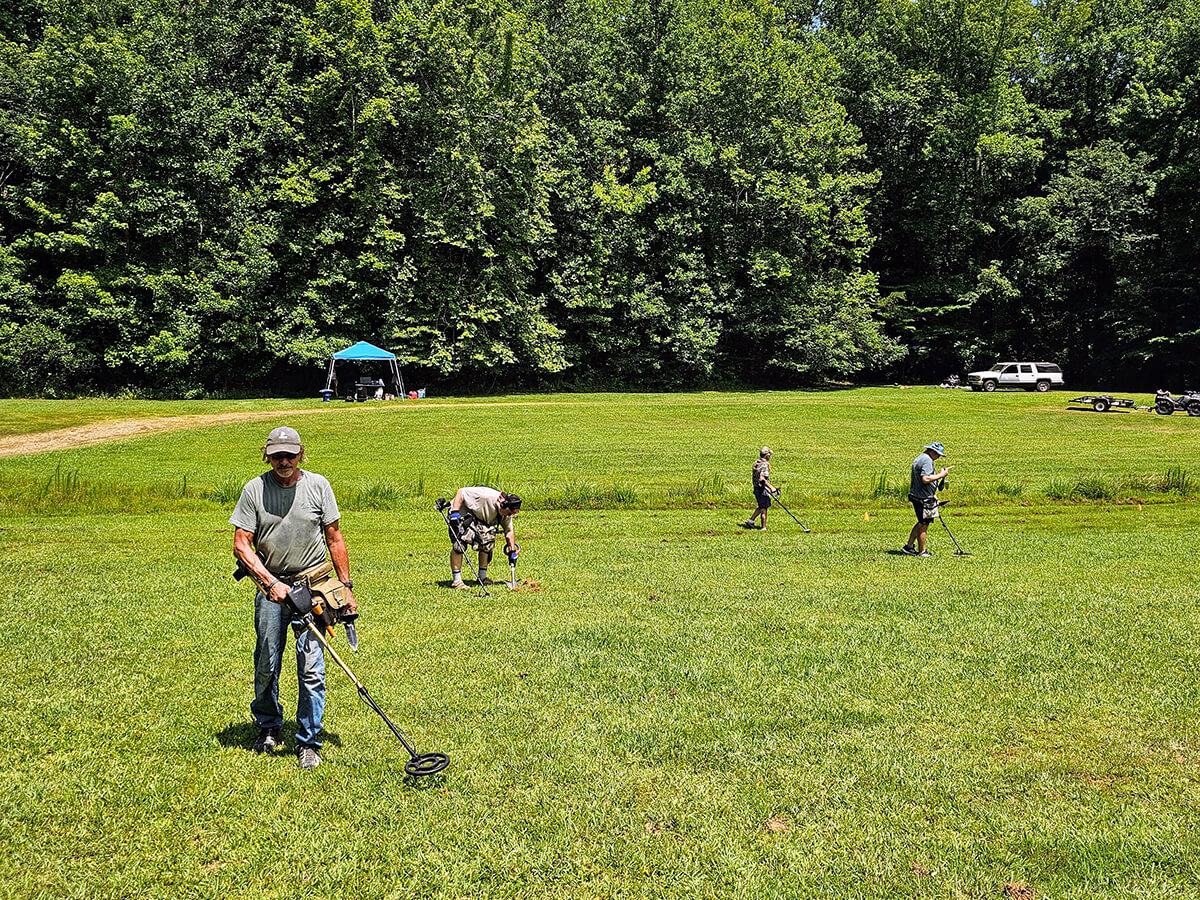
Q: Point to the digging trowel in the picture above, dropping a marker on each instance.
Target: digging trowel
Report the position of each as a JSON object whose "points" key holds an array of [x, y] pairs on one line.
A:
{"points": [[512, 568]]}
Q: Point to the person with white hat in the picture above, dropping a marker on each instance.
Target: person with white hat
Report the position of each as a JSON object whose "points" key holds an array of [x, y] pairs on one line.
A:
{"points": [[283, 523], [760, 481], [922, 491]]}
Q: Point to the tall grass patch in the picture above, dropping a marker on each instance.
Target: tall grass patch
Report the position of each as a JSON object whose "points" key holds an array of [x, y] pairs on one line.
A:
{"points": [[384, 493], [67, 492], [585, 495], [712, 489]]}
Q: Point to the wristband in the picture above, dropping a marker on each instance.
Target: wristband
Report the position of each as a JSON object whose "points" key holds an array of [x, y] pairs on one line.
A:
{"points": [[272, 585], [348, 583]]}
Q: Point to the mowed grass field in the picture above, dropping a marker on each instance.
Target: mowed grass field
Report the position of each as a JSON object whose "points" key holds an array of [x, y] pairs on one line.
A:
{"points": [[676, 707]]}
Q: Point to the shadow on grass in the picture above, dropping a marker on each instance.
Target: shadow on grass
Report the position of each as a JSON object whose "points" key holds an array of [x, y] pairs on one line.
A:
{"points": [[471, 583], [242, 735]]}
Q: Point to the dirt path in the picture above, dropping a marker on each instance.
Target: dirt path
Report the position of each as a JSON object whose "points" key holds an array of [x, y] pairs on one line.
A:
{"points": [[100, 432]]}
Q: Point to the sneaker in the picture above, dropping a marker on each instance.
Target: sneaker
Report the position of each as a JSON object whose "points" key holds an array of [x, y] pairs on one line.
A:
{"points": [[909, 550], [309, 758], [487, 580], [267, 740], [458, 585], [749, 523], [924, 553]]}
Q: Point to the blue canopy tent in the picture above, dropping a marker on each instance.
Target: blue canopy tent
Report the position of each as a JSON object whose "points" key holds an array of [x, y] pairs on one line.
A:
{"points": [[368, 352]]}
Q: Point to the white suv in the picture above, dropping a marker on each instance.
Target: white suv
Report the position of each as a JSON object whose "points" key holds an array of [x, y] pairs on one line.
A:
{"points": [[1033, 376]]}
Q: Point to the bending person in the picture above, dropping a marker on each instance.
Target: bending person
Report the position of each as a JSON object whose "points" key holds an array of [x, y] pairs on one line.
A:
{"points": [[476, 514]]}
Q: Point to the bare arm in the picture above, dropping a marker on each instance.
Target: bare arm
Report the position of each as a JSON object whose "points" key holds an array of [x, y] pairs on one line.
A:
{"points": [[341, 559], [243, 548], [938, 476]]}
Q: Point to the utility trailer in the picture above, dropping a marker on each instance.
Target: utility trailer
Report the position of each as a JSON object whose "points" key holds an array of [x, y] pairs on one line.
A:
{"points": [[1105, 402]]}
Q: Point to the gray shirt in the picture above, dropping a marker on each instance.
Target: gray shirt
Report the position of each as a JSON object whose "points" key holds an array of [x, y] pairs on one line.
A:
{"points": [[918, 489], [288, 523]]}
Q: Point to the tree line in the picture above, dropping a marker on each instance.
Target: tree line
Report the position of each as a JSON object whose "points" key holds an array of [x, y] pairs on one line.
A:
{"points": [[210, 196]]}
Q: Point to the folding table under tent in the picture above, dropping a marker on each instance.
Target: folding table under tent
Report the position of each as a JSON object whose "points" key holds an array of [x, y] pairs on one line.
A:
{"points": [[368, 352]]}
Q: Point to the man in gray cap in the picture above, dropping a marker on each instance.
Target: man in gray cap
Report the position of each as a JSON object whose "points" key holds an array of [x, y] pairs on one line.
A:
{"points": [[922, 491], [289, 516]]}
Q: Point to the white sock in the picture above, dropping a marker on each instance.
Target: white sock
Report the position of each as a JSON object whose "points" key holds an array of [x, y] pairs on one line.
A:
{"points": [[456, 575]]}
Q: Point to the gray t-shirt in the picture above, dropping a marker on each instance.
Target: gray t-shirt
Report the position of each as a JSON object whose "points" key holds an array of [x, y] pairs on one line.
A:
{"points": [[288, 523], [918, 489]]}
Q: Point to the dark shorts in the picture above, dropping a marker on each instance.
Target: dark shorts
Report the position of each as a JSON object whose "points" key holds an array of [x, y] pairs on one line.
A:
{"points": [[925, 514], [763, 499]]}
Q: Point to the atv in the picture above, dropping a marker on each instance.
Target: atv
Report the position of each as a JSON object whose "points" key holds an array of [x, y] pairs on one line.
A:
{"points": [[1188, 401]]}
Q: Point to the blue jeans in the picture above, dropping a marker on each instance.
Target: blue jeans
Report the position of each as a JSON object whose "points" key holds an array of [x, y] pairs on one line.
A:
{"points": [[271, 622]]}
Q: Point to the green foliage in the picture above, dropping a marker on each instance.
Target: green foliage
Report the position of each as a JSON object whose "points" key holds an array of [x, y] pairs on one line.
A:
{"points": [[1024, 150], [212, 196], [197, 199]]}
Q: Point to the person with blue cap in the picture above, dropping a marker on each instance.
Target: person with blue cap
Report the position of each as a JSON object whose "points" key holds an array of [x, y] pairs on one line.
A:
{"points": [[922, 492]]}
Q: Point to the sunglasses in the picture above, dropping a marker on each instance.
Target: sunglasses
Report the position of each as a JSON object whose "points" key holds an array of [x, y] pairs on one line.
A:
{"points": [[280, 457]]}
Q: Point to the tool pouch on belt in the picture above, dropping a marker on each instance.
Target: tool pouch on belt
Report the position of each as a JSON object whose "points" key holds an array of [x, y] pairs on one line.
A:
{"points": [[929, 506], [326, 589], [473, 533]]}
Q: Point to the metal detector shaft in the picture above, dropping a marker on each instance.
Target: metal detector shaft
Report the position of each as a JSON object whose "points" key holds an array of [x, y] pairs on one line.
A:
{"points": [[362, 691], [789, 512], [512, 575], [418, 764], [958, 551], [478, 580]]}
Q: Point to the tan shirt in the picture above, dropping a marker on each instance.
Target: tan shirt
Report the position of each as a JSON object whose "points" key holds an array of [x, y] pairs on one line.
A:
{"points": [[483, 504]]}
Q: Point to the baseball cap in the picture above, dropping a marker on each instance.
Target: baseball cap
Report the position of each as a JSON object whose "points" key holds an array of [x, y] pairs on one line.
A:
{"points": [[283, 440], [937, 448], [765, 451]]}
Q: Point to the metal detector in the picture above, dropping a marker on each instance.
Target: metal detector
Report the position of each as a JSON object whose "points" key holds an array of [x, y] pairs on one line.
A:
{"points": [[418, 764], [300, 601], [441, 505], [807, 530], [958, 551]]}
